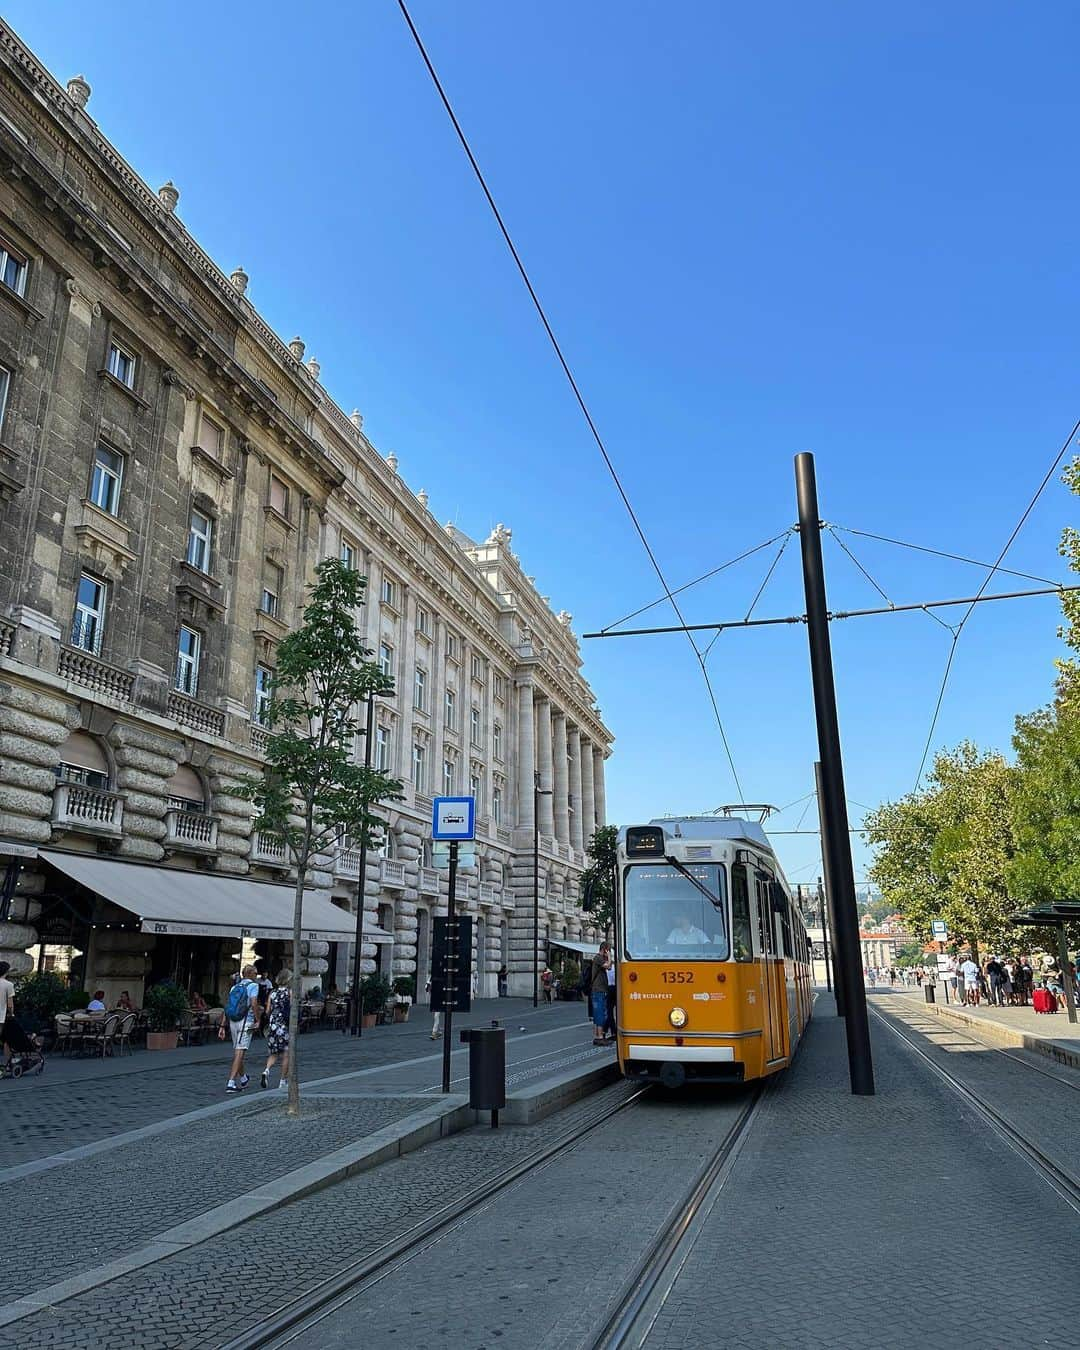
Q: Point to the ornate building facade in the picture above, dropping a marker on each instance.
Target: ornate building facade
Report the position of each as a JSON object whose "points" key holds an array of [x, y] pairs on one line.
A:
{"points": [[170, 474]]}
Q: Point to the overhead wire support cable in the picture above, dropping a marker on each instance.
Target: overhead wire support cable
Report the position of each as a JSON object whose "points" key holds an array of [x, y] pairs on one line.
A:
{"points": [[768, 575], [568, 373], [939, 553], [836, 539], [979, 594]]}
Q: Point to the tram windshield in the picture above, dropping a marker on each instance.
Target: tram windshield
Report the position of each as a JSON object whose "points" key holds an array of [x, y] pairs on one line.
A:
{"points": [[667, 915]]}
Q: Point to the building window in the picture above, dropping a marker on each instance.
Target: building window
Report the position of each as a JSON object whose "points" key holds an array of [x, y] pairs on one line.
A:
{"points": [[451, 647], [388, 593], [107, 479], [5, 385], [423, 621], [478, 669], [211, 437], [261, 712], [382, 748], [420, 690], [419, 767], [200, 533], [476, 789], [448, 777], [273, 585], [386, 659], [496, 740], [188, 650], [496, 805], [474, 726], [12, 269], [88, 625], [121, 365], [451, 710], [279, 495], [348, 555], [499, 683]]}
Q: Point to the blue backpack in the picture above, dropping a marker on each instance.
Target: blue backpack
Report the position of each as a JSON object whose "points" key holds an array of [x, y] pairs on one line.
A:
{"points": [[236, 1009]]}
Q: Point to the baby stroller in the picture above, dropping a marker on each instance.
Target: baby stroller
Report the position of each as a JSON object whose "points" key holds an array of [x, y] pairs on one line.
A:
{"points": [[27, 1055]]}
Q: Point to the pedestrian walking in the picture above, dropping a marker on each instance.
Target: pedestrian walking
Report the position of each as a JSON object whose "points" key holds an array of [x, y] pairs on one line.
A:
{"points": [[277, 1029], [610, 1024], [241, 1013], [504, 982], [598, 992], [7, 1008], [547, 980], [436, 1015], [972, 974], [995, 975], [266, 988]]}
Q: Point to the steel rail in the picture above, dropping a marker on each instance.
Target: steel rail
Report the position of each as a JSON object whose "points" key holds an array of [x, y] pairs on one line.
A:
{"points": [[656, 1272], [1062, 1183], [306, 1310]]}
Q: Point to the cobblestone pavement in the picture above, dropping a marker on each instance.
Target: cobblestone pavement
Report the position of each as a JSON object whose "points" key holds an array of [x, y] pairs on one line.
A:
{"points": [[208, 1293], [78, 1102], [80, 1215], [950, 1220]]}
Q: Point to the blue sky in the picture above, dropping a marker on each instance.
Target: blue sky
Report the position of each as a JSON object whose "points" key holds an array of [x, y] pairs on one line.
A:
{"points": [[843, 228]]}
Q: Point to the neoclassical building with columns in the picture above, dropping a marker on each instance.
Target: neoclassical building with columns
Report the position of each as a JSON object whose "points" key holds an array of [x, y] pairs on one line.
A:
{"points": [[171, 472]]}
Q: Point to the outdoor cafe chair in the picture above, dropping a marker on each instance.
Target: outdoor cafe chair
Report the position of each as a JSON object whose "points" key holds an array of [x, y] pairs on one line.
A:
{"points": [[101, 1033], [124, 1030], [64, 1033]]}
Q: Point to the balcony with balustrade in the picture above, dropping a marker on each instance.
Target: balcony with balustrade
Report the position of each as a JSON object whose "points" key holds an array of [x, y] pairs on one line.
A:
{"points": [[266, 851], [392, 873], [81, 809], [347, 863], [190, 832], [429, 881], [489, 893]]}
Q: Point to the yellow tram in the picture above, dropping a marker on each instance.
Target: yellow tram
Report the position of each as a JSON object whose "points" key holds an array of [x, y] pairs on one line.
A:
{"points": [[713, 962]]}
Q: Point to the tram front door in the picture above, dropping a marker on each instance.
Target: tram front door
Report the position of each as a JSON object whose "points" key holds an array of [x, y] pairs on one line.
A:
{"points": [[773, 998]]}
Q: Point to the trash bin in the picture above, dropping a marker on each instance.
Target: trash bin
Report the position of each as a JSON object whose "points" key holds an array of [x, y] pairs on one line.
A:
{"points": [[928, 992], [487, 1068]]}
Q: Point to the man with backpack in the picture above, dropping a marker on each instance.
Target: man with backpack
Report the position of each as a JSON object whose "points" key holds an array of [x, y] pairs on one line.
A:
{"points": [[241, 1012]]}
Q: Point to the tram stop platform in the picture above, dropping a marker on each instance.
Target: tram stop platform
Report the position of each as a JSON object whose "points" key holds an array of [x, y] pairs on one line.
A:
{"points": [[873, 1221], [1050, 1034]]}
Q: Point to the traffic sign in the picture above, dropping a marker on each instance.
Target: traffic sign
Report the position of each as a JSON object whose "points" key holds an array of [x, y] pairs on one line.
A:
{"points": [[939, 929], [453, 818]]}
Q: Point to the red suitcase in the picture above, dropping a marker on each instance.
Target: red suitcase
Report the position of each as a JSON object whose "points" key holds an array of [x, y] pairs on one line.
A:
{"points": [[1043, 1001]]}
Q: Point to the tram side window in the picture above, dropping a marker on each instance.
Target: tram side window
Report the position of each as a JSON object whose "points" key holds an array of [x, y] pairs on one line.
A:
{"points": [[742, 931]]}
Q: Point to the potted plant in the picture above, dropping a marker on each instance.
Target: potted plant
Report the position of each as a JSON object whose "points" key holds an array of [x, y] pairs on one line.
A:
{"points": [[404, 991], [165, 1004], [374, 992], [38, 998], [569, 980], [75, 1000]]}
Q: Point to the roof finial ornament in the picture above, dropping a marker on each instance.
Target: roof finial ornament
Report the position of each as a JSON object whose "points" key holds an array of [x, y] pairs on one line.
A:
{"points": [[79, 91], [296, 346], [314, 369], [169, 195], [392, 462], [357, 419], [240, 280]]}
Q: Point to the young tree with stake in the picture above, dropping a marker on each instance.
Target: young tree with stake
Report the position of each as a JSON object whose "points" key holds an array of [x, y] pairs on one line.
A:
{"points": [[311, 791]]}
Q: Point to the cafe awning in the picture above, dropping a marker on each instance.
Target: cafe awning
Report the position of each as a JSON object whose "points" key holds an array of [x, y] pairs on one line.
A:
{"points": [[582, 948], [172, 902]]}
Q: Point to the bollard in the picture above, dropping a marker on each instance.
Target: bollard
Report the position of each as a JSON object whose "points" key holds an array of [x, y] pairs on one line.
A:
{"points": [[487, 1069], [928, 992]]}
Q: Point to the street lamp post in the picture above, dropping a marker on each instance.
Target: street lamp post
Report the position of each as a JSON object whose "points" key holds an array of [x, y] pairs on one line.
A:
{"points": [[538, 792], [355, 1023]]}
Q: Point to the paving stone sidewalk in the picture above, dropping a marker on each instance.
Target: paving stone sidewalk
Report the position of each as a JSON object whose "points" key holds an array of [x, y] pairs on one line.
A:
{"points": [[828, 1182]]}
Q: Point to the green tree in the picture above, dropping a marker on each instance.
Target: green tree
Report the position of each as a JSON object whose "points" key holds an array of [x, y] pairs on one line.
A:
{"points": [[598, 879], [310, 790], [943, 852]]}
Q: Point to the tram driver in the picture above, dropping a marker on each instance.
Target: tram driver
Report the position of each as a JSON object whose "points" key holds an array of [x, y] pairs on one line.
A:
{"points": [[686, 934]]}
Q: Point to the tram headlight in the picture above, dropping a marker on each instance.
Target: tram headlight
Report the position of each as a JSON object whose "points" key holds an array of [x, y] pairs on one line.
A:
{"points": [[677, 1017]]}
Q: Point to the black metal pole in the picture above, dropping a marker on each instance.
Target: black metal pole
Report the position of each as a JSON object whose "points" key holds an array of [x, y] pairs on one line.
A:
{"points": [[845, 911], [830, 913], [536, 890], [450, 981], [357, 1028], [824, 934]]}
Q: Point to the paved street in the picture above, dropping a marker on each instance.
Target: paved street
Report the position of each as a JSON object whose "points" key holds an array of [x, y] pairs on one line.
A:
{"points": [[76, 1102]]}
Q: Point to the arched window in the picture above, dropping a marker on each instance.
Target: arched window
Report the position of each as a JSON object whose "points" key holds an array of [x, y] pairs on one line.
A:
{"points": [[83, 760], [185, 790]]}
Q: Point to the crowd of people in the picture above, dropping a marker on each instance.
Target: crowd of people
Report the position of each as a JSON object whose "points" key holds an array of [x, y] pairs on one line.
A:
{"points": [[997, 981]]}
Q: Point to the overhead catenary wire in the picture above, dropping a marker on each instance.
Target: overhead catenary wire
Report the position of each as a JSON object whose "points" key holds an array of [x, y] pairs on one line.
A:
{"points": [[888, 600], [669, 595], [979, 595]]}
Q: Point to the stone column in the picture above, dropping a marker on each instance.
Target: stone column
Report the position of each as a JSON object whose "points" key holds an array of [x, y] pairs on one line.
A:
{"points": [[406, 686], [599, 793], [588, 806], [544, 765], [561, 777], [526, 761], [573, 736]]}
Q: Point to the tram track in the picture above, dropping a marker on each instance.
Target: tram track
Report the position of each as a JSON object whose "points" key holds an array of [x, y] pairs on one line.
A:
{"points": [[304, 1312], [1063, 1182], [644, 1294]]}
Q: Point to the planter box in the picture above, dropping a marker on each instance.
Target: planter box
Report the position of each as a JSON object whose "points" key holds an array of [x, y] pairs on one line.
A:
{"points": [[401, 1013], [368, 1020], [161, 1040]]}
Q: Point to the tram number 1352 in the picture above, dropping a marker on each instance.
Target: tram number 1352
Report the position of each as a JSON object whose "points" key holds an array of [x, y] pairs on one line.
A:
{"points": [[678, 977]]}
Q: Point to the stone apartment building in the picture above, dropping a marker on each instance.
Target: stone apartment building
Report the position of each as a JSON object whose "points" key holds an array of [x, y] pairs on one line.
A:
{"points": [[170, 474]]}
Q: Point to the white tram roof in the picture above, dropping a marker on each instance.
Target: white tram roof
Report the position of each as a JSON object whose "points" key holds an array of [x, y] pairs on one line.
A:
{"points": [[710, 827]]}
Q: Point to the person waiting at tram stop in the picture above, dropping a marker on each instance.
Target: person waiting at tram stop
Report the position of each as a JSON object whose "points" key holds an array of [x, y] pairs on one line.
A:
{"points": [[599, 994]]}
